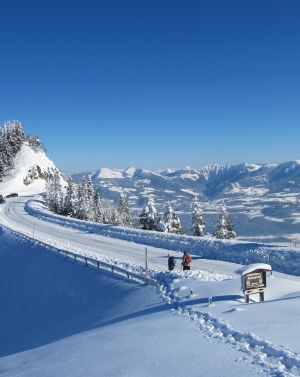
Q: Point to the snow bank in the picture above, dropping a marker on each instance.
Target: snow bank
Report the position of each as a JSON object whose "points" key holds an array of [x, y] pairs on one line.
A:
{"points": [[281, 259]]}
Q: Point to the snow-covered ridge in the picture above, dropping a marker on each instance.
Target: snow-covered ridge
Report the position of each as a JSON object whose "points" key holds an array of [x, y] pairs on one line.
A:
{"points": [[211, 175]]}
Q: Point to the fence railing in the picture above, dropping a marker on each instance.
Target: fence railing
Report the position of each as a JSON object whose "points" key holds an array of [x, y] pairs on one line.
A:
{"points": [[142, 277], [95, 263]]}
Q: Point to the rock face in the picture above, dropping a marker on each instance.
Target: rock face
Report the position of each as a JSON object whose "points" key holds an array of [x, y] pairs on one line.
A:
{"points": [[28, 176], [264, 200]]}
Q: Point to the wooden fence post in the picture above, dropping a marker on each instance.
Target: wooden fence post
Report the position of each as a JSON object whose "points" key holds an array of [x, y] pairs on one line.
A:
{"points": [[146, 258]]}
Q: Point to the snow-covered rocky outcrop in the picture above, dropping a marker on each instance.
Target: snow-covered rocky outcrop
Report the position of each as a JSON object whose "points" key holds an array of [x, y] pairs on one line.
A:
{"points": [[28, 176]]}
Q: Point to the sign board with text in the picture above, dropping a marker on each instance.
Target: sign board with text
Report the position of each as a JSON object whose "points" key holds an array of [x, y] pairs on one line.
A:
{"points": [[254, 280]]}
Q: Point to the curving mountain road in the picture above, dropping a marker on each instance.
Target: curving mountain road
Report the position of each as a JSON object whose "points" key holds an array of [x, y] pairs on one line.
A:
{"points": [[14, 216]]}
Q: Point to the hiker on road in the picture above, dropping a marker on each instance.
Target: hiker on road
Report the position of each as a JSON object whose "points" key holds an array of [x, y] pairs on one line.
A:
{"points": [[186, 261], [171, 262]]}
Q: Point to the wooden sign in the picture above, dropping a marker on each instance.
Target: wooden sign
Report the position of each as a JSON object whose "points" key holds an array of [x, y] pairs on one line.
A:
{"points": [[254, 280]]}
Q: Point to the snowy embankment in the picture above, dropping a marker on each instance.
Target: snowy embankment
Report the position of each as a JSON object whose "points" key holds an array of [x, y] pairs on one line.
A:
{"points": [[58, 318], [282, 259], [62, 318]]}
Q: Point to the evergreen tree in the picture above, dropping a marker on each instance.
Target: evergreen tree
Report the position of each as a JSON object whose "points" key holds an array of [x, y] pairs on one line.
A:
{"points": [[11, 141], [35, 143], [13, 134], [147, 219], [172, 221], [82, 210], [54, 193], [98, 209], [70, 200], [198, 223], [225, 226], [160, 225], [123, 212], [109, 212], [90, 200]]}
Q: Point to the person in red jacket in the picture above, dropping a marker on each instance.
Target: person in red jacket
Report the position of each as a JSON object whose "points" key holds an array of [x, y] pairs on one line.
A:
{"points": [[186, 261]]}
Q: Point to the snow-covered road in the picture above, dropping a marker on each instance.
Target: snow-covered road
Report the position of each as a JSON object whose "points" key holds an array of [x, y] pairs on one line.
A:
{"points": [[261, 333], [14, 216]]}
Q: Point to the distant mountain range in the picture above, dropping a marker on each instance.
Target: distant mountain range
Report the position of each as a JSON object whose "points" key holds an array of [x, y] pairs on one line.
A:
{"points": [[264, 199]]}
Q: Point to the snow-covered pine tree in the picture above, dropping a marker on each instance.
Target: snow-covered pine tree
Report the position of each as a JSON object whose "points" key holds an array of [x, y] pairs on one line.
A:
{"points": [[83, 206], [160, 225], [123, 212], [13, 133], [109, 212], [2, 168], [172, 221], [147, 219], [71, 199], [90, 200], [54, 193], [98, 210], [225, 226], [11, 141], [35, 143], [198, 223]]}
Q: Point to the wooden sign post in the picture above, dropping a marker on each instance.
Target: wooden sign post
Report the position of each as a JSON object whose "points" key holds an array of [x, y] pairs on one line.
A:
{"points": [[254, 280], [146, 258]]}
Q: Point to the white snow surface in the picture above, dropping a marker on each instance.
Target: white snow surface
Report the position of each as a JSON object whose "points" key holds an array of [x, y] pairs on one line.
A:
{"points": [[63, 319], [60, 318], [110, 173], [23, 161], [256, 266]]}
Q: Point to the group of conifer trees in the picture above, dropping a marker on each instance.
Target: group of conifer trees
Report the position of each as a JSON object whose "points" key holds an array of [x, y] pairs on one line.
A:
{"points": [[82, 201], [11, 140], [12, 137], [170, 221]]}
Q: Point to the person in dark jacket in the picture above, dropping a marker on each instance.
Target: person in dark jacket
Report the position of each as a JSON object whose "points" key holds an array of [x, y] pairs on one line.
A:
{"points": [[171, 262]]}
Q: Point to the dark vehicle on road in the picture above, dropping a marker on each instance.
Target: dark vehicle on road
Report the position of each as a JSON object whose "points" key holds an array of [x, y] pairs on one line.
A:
{"points": [[13, 195], [2, 199]]}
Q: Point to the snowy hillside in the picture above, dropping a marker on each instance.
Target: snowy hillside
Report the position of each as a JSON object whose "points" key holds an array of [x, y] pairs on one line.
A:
{"points": [[264, 200], [60, 318], [27, 177]]}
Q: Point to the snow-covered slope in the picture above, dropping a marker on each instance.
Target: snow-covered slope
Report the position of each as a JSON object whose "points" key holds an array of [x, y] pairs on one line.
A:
{"points": [[28, 175], [60, 318], [264, 200]]}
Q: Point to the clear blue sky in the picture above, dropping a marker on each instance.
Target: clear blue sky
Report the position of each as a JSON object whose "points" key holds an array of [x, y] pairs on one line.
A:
{"points": [[153, 83]]}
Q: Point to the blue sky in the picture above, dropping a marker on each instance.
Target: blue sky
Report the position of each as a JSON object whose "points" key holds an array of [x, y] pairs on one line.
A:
{"points": [[153, 84]]}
